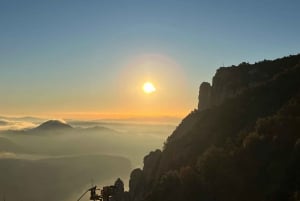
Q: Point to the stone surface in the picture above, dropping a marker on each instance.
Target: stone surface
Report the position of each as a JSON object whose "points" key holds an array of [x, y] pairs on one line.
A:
{"points": [[204, 96]]}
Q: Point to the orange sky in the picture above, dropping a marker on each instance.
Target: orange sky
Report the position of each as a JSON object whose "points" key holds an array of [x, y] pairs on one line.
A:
{"points": [[121, 97]]}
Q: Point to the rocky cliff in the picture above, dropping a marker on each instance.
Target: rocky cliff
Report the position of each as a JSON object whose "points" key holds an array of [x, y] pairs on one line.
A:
{"points": [[204, 98], [212, 144], [229, 82]]}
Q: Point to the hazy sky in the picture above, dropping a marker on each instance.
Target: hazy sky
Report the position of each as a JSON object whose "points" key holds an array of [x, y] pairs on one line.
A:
{"points": [[90, 58]]}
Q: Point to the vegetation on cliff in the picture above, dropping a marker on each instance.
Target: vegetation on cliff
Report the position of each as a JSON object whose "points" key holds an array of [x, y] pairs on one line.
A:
{"points": [[244, 144]]}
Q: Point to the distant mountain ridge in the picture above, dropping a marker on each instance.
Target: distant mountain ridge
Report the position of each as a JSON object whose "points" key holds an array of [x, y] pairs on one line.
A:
{"points": [[242, 143], [53, 125]]}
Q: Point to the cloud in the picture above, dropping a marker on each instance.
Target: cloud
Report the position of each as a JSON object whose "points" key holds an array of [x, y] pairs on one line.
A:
{"points": [[3, 122], [4, 155], [15, 125]]}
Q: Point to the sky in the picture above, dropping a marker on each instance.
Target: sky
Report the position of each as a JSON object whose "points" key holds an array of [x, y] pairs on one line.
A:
{"points": [[89, 59]]}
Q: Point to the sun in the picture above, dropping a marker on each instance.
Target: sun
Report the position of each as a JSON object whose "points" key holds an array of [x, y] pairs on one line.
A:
{"points": [[148, 88]]}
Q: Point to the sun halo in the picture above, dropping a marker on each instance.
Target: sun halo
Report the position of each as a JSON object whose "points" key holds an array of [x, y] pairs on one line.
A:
{"points": [[148, 88]]}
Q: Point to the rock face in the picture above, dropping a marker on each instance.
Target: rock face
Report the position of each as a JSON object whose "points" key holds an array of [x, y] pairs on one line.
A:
{"points": [[229, 82], [204, 96], [141, 180], [136, 185], [231, 106], [151, 162]]}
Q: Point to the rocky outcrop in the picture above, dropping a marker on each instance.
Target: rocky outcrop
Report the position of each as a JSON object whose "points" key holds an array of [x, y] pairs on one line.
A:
{"points": [[229, 82], [204, 96], [136, 185], [141, 180], [151, 162], [238, 96], [119, 193]]}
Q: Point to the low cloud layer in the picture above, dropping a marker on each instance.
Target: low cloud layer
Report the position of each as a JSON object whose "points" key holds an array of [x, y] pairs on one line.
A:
{"points": [[4, 155], [15, 125]]}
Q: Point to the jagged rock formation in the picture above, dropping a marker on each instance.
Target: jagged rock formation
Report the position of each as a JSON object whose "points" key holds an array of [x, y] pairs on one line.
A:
{"points": [[241, 144], [229, 82]]}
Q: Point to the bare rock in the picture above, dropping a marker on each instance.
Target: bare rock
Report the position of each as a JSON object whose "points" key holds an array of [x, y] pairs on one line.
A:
{"points": [[204, 96]]}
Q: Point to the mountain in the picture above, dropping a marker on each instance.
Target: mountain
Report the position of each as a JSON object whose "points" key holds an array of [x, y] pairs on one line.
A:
{"points": [[53, 125], [241, 143]]}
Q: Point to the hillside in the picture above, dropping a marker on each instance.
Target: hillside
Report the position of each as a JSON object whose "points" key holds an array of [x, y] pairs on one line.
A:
{"points": [[242, 143]]}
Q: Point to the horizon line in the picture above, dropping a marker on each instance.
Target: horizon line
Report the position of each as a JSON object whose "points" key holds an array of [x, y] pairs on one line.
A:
{"points": [[101, 116]]}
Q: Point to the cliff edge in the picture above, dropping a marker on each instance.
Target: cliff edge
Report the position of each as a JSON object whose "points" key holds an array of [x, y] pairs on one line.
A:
{"points": [[242, 140]]}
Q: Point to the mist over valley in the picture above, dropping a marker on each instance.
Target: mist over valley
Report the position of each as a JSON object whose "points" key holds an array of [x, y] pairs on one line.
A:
{"points": [[52, 153]]}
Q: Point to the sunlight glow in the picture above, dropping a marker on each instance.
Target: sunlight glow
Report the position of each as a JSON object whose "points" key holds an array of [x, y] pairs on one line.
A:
{"points": [[148, 88]]}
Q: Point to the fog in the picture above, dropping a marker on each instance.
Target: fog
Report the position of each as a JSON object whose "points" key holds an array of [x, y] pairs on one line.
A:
{"points": [[58, 161]]}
